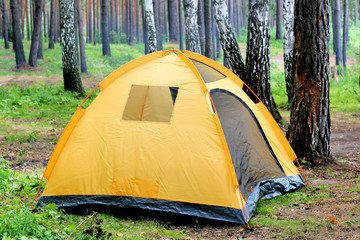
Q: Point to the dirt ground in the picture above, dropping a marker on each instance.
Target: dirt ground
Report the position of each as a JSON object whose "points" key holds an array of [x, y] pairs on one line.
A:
{"points": [[342, 179]]}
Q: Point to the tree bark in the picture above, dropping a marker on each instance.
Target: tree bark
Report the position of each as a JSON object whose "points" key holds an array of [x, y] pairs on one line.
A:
{"points": [[173, 33], [337, 32], [156, 10], [105, 38], [81, 37], [94, 21], [192, 37], [71, 74], [309, 132], [258, 54], [279, 18], [130, 27], [201, 24], [150, 25], [345, 31], [5, 24], [227, 39], [52, 25], [35, 33], [288, 45], [208, 30], [17, 37], [181, 33]]}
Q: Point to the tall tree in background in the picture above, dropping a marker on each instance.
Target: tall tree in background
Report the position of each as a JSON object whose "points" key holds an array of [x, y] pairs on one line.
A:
{"points": [[52, 25], [309, 131], [105, 35], [209, 41], [337, 31], [288, 44], [345, 31], [279, 18], [258, 54], [5, 24], [35, 33], [17, 37], [192, 37], [227, 39], [173, 33], [150, 25], [71, 74], [81, 36], [181, 33], [201, 24], [156, 9]]}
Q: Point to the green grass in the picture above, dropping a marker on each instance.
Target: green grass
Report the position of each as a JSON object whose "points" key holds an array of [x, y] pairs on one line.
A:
{"points": [[17, 191]]}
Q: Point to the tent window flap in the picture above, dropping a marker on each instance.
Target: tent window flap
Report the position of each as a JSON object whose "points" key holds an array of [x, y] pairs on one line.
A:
{"points": [[150, 103]]}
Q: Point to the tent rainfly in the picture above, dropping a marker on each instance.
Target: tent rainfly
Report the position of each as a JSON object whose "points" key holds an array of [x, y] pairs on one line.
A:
{"points": [[172, 132]]}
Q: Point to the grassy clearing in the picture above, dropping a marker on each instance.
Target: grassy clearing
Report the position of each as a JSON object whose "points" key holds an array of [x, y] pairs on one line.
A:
{"points": [[17, 191]]}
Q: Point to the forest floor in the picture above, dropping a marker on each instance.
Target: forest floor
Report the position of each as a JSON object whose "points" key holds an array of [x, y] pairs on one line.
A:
{"points": [[329, 210]]}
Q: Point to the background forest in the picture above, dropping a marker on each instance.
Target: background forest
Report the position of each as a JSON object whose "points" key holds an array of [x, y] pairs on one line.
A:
{"points": [[35, 105]]}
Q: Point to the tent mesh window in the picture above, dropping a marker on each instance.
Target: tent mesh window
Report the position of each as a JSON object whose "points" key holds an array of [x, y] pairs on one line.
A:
{"points": [[208, 73], [150, 103]]}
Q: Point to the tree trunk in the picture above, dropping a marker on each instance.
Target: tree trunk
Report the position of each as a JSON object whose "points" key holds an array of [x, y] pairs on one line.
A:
{"points": [[150, 25], [337, 32], [71, 74], [173, 33], [5, 24], [288, 45], [201, 24], [52, 25], [227, 39], [35, 33], [244, 17], [279, 18], [17, 37], [40, 54], [192, 37], [26, 6], [105, 38], [144, 27], [130, 27], [94, 21], [181, 33], [81, 37], [309, 132], [345, 31], [156, 10], [258, 54], [208, 30]]}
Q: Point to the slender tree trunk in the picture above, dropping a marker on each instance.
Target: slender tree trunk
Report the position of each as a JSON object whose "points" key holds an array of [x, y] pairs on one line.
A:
{"points": [[144, 27], [81, 37], [173, 33], [309, 132], [192, 37], [150, 26], [345, 31], [35, 33], [40, 54], [244, 17], [130, 27], [156, 9], [181, 33], [17, 38], [288, 45], [258, 54], [71, 74], [137, 21], [57, 22], [337, 32], [105, 38], [1, 20], [208, 30], [201, 24], [52, 25], [27, 19], [94, 21], [227, 39], [5, 24], [89, 21], [279, 18]]}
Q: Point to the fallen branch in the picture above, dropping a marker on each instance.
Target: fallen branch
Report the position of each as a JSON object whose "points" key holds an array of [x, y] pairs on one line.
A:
{"points": [[80, 225]]}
